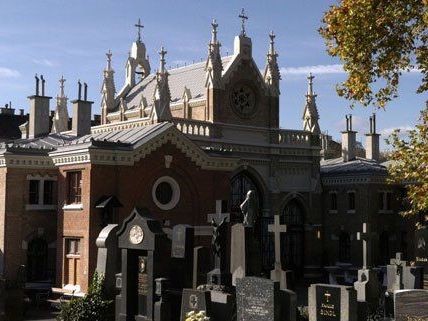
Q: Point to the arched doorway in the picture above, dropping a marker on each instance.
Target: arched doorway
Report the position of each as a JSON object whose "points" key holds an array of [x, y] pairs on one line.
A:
{"points": [[293, 241], [37, 260], [344, 247]]}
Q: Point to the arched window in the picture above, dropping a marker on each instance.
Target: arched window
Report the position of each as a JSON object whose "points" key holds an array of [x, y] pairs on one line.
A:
{"points": [[344, 247], [241, 184]]}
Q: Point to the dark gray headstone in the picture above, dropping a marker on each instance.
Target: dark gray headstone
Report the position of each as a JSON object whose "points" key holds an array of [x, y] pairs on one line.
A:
{"points": [[182, 241], [255, 299], [201, 265], [222, 305], [421, 247], [411, 305], [195, 300], [332, 303]]}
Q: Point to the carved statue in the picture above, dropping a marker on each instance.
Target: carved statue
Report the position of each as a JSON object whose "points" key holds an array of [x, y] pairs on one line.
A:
{"points": [[249, 209], [219, 237]]}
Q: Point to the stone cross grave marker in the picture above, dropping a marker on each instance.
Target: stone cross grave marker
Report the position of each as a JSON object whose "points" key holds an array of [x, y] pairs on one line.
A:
{"points": [[218, 216], [365, 236], [394, 273], [278, 274]]}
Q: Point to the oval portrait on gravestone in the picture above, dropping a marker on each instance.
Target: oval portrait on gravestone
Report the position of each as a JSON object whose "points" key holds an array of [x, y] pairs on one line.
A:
{"points": [[136, 235]]}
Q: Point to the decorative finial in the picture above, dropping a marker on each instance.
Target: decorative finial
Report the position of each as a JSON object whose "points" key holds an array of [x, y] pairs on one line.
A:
{"points": [[214, 25], [243, 17], [162, 54], [310, 84], [139, 27], [61, 86], [109, 54], [272, 42]]}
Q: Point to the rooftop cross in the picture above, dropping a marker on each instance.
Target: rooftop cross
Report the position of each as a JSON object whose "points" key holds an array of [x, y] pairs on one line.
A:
{"points": [[139, 27], [243, 17], [277, 229], [61, 86], [310, 84]]}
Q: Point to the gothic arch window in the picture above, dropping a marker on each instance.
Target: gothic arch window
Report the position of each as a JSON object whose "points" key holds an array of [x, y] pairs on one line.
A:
{"points": [[241, 184], [344, 247], [292, 247]]}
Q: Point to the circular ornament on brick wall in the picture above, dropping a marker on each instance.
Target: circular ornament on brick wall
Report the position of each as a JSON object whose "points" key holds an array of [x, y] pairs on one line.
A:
{"points": [[166, 193], [243, 100], [136, 235]]}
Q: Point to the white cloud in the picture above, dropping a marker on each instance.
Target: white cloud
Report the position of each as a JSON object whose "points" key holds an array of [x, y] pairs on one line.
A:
{"points": [[45, 62], [9, 73], [403, 130], [317, 69]]}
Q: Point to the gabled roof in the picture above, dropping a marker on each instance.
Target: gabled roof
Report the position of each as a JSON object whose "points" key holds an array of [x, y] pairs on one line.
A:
{"points": [[357, 166], [192, 77]]}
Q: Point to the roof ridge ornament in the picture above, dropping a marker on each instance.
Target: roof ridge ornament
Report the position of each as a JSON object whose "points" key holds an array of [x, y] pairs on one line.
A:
{"points": [[139, 26], [272, 42], [214, 25], [61, 86], [162, 54], [243, 17]]}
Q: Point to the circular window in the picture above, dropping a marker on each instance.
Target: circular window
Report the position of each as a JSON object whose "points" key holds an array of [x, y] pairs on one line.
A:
{"points": [[166, 193], [243, 100]]}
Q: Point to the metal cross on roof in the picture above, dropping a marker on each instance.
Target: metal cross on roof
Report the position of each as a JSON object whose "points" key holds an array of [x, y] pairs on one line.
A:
{"points": [[139, 27], [243, 17]]}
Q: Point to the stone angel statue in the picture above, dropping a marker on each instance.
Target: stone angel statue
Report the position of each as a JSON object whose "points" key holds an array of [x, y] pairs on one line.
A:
{"points": [[249, 209]]}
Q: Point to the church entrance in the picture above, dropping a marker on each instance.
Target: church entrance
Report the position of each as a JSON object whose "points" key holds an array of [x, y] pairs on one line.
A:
{"points": [[293, 241], [37, 260]]}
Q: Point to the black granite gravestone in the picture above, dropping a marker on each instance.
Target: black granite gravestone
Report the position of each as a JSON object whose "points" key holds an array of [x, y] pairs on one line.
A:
{"points": [[182, 256], [328, 303], [262, 299], [421, 247], [196, 301], [411, 305], [145, 255], [201, 265]]}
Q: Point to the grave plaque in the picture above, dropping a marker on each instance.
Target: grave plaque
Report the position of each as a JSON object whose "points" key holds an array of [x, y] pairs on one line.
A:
{"points": [[256, 299], [195, 300], [332, 303], [182, 241], [143, 278], [411, 305], [328, 303]]}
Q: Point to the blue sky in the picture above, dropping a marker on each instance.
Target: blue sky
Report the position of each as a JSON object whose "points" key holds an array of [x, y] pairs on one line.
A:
{"points": [[55, 37]]}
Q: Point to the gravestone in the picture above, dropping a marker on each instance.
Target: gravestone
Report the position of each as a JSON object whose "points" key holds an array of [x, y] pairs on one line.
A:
{"points": [[145, 250], [107, 257], [162, 305], [245, 257], [222, 305], [195, 300], [201, 265], [421, 247], [262, 299], [413, 277], [182, 255], [332, 303], [394, 274], [278, 274], [368, 287], [411, 305]]}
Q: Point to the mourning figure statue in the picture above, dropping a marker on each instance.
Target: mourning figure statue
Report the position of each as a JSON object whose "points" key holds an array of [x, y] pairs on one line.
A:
{"points": [[219, 237], [249, 209]]}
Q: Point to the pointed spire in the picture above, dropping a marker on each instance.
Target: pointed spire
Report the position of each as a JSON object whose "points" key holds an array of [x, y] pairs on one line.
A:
{"points": [[109, 55], [162, 97], [310, 112], [60, 119], [213, 66], [108, 89], [272, 76], [61, 87]]}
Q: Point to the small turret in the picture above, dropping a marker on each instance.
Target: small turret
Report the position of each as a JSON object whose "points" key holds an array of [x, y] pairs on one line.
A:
{"points": [[108, 90], [310, 112], [272, 75], [214, 65], [60, 120], [162, 96]]}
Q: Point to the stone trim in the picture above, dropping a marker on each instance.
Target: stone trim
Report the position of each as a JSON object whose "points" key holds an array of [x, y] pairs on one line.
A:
{"points": [[333, 181]]}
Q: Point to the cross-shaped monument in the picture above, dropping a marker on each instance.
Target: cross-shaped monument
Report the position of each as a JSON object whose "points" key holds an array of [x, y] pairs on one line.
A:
{"points": [[243, 17], [365, 236], [218, 216], [278, 274], [139, 27]]}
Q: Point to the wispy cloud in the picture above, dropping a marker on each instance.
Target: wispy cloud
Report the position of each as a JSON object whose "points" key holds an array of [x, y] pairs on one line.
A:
{"points": [[45, 62], [9, 73], [403, 130], [316, 69]]}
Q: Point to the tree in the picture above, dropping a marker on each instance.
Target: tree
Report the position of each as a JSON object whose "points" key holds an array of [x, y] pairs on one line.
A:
{"points": [[378, 40]]}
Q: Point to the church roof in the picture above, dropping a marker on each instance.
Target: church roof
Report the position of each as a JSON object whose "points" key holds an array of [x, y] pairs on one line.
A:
{"points": [[357, 166], [192, 77]]}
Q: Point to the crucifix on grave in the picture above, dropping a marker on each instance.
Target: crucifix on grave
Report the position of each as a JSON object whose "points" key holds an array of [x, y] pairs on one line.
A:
{"points": [[278, 274], [365, 236], [220, 223]]}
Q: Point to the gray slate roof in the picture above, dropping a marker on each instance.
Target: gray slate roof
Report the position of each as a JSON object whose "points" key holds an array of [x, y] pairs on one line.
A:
{"points": [[192, 76], [331, 167]]}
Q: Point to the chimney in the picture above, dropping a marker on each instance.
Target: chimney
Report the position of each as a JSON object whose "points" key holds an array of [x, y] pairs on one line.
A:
{"points": [[372, 141], [39, 111], [81, 123], [348, 141]]}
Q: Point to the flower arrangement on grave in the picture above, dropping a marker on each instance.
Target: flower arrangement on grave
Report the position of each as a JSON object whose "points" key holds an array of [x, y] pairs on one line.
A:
{"points": [[200, 316]]}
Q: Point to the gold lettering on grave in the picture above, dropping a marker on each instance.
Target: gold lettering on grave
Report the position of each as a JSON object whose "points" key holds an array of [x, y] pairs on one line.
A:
{"points": [[327, 309], [421, 259]]}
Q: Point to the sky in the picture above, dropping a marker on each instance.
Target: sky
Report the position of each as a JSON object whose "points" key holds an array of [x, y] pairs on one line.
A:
{"points": [[70, 38]]}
